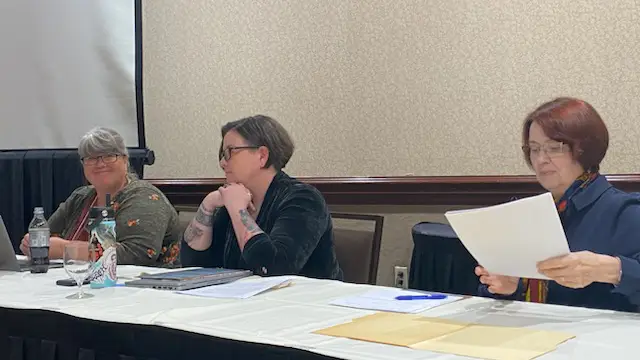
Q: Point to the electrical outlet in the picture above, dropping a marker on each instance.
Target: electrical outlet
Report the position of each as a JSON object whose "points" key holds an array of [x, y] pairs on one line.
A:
{"points": [[400, 277]]}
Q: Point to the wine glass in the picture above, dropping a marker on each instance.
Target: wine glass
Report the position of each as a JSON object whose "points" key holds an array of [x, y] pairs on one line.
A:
{"points": [[78, 261]]}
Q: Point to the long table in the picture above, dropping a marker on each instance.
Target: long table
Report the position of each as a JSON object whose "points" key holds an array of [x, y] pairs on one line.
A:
{"points": [[38, 322]]}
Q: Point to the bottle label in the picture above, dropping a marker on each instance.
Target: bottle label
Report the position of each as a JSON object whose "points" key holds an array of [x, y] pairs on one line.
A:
{"points": [[39, 259], [103, 241], [39, 237]]}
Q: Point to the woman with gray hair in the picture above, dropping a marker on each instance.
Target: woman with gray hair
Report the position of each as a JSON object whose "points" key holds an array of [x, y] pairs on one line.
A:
{"points": [[147, 227]]}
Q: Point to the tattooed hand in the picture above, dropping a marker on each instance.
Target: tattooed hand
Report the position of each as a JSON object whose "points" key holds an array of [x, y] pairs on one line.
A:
{"points": [[213, 200], [235, 197]]}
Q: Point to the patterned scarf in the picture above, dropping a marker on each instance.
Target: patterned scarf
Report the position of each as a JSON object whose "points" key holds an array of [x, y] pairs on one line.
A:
{"points": [[536, 290]]}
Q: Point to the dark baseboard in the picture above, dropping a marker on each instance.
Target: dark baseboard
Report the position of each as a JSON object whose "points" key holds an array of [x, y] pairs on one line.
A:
{"points": [[396, 190]]}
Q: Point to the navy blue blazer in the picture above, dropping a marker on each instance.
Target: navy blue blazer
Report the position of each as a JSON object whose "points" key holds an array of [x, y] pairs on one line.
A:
{"points": [[603, 220]]}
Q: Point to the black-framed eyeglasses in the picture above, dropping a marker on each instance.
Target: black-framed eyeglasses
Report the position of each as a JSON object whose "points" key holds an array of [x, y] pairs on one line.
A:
{"points": [[226, 153], [551, 149], [93, 160]]}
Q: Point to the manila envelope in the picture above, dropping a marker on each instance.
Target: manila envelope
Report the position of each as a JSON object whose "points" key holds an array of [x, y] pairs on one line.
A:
{"points": [[448, 336]]}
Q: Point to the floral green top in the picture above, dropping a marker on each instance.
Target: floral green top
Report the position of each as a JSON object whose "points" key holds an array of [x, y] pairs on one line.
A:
{"points": [[147, 227]]}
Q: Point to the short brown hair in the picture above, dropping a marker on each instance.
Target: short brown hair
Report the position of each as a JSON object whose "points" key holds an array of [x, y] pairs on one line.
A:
{"points": [[261, 130], [575, 123]]}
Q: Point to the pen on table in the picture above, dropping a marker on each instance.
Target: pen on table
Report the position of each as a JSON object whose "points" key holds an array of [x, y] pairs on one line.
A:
{"points": [[422, 297]]}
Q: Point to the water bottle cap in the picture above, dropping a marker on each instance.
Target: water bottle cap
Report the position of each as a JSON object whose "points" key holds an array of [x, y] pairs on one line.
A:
{"points": [[38, 210], [101, 212]]}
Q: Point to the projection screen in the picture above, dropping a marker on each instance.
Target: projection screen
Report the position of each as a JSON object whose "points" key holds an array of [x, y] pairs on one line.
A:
{"points": [[66, 67]]}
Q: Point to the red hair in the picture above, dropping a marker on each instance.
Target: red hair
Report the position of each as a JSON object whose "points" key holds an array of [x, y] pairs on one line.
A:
{"points": [[573, 122]]}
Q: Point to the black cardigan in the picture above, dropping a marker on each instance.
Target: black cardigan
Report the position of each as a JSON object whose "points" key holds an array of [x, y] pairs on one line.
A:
{"points": [[297, 238]]}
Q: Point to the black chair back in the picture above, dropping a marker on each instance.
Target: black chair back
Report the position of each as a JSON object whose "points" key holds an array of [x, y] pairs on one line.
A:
{"points": [[358, 251], [440, 262]]}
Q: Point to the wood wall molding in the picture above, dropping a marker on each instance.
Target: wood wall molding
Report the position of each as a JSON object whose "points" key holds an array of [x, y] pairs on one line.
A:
{"points": [[396, 190]]}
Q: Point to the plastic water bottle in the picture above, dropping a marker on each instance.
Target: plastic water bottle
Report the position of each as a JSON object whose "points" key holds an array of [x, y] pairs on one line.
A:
{"points": [[39, 242], [102, 238]]}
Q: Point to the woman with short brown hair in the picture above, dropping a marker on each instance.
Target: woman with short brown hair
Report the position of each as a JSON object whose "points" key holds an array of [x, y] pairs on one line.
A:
{"points": [[262, 220], [564, 142]]}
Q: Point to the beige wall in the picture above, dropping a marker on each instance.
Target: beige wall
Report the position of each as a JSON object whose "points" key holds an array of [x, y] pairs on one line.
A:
{"points": [[385, 87], [381, 87]]}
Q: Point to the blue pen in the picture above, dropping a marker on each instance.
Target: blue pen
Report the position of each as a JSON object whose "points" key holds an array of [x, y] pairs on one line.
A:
{"points": [[422, 297]]}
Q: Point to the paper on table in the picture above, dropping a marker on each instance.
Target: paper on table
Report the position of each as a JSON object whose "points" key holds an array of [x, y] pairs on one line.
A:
{"points": [[383, 299], [393, 329], [496, 342], [510, 238], [448, 336], [240, 289]]}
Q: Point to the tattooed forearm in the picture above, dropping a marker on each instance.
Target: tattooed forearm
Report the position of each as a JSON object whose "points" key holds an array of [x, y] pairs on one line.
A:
{"points": [[199, 232], [204, 216], [244, 226], [248, 222], [192, 233]]}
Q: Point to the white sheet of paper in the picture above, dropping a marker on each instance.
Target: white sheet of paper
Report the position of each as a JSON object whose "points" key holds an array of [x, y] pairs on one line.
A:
{"points": [[383, 299], [240, 289], [510, 238]]}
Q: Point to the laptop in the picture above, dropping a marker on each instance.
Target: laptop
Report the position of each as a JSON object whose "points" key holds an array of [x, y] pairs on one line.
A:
{"points": [[8, 259], [188, 279]]}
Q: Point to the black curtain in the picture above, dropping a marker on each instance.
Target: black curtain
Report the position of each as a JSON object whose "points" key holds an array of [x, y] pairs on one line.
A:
{"points": [[11, 190], [46, 335], [44, 178]]}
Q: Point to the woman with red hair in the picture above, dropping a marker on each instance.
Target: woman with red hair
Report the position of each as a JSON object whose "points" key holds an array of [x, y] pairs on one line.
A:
{"points": [[564, 142]]}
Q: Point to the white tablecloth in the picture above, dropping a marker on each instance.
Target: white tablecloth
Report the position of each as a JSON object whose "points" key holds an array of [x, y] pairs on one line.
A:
{"points": [[287, 316]]}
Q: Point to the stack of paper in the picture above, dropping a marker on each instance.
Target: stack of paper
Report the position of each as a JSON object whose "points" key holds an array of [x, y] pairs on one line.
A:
{"points": [[241, 289], [384, 299], [451, 337], [509, 239]]}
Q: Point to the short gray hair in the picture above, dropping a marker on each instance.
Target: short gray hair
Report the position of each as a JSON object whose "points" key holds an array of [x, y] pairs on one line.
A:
{"points": [[101, 141]]}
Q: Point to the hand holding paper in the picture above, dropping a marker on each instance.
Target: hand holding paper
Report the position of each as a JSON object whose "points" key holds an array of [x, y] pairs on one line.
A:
{"points": [[510, 239], [580, 269], [497, 284]]}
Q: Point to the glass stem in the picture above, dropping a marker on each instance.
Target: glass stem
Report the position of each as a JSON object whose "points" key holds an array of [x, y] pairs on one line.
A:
{"points": [[80, 292]]}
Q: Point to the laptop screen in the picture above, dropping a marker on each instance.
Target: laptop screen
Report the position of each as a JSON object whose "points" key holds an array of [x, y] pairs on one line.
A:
{"points": [[7, 254]]}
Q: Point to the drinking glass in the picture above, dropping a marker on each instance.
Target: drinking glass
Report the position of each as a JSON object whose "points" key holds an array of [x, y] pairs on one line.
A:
{"points": [[78, 261]]}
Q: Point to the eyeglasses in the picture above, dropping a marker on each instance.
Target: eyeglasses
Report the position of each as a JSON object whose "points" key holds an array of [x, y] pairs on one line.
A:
{"points": [[226, 153], [93, 160], [552, 149]]}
